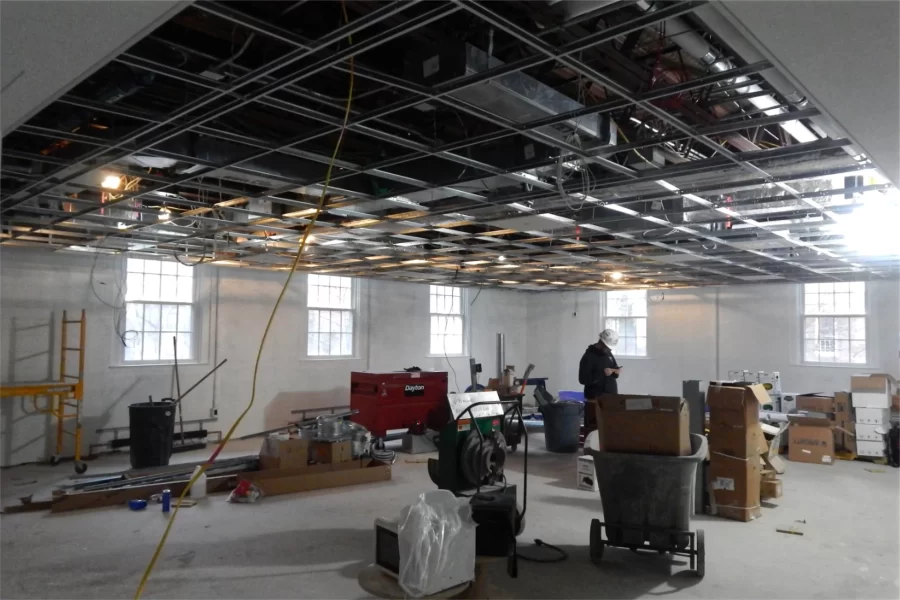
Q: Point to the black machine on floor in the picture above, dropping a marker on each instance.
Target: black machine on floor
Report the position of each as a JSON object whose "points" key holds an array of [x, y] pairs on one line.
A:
{"points": [[471, 457]]}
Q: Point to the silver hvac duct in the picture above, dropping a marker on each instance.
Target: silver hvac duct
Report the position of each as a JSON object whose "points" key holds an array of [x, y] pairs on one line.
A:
{"points": [[501, 355]]}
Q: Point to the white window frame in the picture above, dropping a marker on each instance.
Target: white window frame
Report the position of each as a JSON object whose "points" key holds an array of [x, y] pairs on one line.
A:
{"points": [[614, 322], [844, 312], [316, 306], [122, 333], [438, 312]]}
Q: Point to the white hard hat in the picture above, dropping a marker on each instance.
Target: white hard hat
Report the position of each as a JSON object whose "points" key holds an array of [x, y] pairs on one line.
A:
{"points": [[609, 337]]}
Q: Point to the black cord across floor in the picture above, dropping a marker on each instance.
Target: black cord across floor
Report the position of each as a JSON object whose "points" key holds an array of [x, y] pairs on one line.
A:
{"points": [[563, 555]]}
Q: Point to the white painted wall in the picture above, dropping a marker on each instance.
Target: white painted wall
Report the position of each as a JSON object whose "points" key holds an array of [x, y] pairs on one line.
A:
{"points": [[36, 286], [757, 328]]}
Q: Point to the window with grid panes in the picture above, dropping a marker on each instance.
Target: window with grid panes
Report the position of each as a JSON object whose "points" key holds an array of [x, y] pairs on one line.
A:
{"points": [[626, 314], [159, 312], [447, 320], [330, 319], [834, 322]]}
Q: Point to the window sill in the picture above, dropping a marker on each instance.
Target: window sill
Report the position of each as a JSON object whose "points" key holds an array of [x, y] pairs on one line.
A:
{"points": [[159, 364], [446, 356], [328, 358], [864, 367]]}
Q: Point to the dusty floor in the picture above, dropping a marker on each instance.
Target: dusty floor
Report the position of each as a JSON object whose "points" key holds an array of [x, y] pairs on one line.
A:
{"points": [[312, 545]]}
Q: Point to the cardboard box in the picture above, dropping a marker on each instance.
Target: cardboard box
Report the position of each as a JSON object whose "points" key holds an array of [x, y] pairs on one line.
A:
{"points": [[644, 424], [843, 410], [735, 487], [331, 452], [873, 416], [869, 448], [282, 452], [822, 403], [316, 477], [870, 433], [848, 436], [872, 391], [895, 403], [810, 439], [737, 442], [769, 489], [735, 406], [586, 476], [734, 428]]}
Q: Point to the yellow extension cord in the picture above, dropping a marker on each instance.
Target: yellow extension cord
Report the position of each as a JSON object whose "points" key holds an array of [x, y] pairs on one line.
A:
{"points": [[315, 216]]}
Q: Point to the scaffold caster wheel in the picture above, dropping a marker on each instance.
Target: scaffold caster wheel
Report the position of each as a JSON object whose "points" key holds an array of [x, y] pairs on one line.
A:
{"points": [[54, 460], [80, 467], [701, 555], [596, 545]]}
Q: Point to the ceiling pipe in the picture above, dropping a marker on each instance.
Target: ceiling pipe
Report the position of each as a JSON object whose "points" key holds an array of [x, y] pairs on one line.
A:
{"points": [[693, 43]]}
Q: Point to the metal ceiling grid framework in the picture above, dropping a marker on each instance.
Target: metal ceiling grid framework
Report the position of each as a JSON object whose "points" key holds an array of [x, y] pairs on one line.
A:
{"points": [[529, 145]]}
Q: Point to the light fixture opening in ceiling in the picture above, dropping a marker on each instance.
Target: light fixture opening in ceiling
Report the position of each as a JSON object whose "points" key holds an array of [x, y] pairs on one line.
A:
{"points": [[501, 258], [616, 276], [164, 214], [111, 182]]}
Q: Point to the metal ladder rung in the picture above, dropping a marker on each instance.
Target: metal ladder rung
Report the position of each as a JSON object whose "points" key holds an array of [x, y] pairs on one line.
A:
{"points": [[72, 321], [73, 349], [71, 376]]}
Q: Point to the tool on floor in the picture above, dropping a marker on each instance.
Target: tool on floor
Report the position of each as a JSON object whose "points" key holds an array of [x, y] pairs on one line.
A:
{"points": [[182, 445], [298, 425], [471, 459]]}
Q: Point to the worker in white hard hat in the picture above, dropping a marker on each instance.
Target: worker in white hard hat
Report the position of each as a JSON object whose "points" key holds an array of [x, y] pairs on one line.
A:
{"points": [[599, 370]]}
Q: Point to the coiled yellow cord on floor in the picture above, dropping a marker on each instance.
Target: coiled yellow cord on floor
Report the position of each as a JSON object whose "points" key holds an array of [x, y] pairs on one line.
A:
{"points": [[312, 222]]}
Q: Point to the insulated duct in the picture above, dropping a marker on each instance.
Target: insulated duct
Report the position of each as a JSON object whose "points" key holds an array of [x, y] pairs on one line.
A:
{"points": [[693, 43]]}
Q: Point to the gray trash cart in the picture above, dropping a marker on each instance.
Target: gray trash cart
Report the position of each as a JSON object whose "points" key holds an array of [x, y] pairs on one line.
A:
{"points": [[647, 503]]}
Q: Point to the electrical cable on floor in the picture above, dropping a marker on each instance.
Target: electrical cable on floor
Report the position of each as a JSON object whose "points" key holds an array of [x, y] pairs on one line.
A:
{"points": [[561, 554], [262, 342]]}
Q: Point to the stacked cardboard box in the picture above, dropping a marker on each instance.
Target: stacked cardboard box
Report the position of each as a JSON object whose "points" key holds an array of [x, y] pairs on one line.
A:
{"points": [[871, 400], [736, 441], [836, 409]]}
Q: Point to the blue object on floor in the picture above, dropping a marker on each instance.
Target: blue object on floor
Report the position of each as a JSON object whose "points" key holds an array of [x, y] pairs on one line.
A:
{"points": [[137, 504], [572, 396]]}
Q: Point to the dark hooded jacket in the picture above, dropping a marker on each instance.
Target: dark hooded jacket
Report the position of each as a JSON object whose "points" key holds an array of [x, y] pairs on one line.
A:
{"points": [[590, 372]]}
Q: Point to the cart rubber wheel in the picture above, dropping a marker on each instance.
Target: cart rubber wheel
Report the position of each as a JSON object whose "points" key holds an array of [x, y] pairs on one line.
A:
{"points": [[54, 460], [701, 555], [597, 542], [513, 447], [80, 467]]}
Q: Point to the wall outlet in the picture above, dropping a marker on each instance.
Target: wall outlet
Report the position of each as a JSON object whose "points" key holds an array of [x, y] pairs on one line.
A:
{"points": [[214, 412]]}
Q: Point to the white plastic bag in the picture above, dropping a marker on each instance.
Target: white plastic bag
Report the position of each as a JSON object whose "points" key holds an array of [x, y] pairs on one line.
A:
{"points": [[437, 543]]}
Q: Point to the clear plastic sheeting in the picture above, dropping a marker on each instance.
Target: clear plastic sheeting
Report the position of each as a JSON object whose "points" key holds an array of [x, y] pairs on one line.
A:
{"points": [[437, 543]]}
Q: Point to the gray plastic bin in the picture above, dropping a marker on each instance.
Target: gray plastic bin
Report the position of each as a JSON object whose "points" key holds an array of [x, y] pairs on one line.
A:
{"points": [[648, 491], [562, 424]]}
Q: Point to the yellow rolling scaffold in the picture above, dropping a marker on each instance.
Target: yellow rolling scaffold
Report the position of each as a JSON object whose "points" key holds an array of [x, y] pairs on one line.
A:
{"points": [[64, 398]]}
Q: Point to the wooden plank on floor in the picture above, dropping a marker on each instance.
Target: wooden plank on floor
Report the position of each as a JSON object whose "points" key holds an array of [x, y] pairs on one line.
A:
{"points": [[121, 496], [29, 507]]}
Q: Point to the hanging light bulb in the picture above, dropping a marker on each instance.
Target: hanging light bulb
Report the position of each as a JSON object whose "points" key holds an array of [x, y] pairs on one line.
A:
{"points": [[501, 258], [111, 182], [164, 213]]}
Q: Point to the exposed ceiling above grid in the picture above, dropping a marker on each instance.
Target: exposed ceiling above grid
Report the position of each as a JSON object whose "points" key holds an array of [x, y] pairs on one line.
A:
{"points": [[529, 145]]}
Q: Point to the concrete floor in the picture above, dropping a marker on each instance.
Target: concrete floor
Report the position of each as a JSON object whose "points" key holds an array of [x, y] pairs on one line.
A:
{"points": [[313, 545]]}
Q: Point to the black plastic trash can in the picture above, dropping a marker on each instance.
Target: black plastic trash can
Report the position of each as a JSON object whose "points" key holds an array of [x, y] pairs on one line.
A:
{"points": [[151, 429], [562, 424]]}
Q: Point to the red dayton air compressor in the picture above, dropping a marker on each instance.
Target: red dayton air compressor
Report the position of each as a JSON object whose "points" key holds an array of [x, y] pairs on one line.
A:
{"points": [[399, 400]]}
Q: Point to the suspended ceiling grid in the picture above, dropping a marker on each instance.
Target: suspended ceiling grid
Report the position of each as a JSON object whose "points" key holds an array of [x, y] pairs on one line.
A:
{"points": [[509, 144]]}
